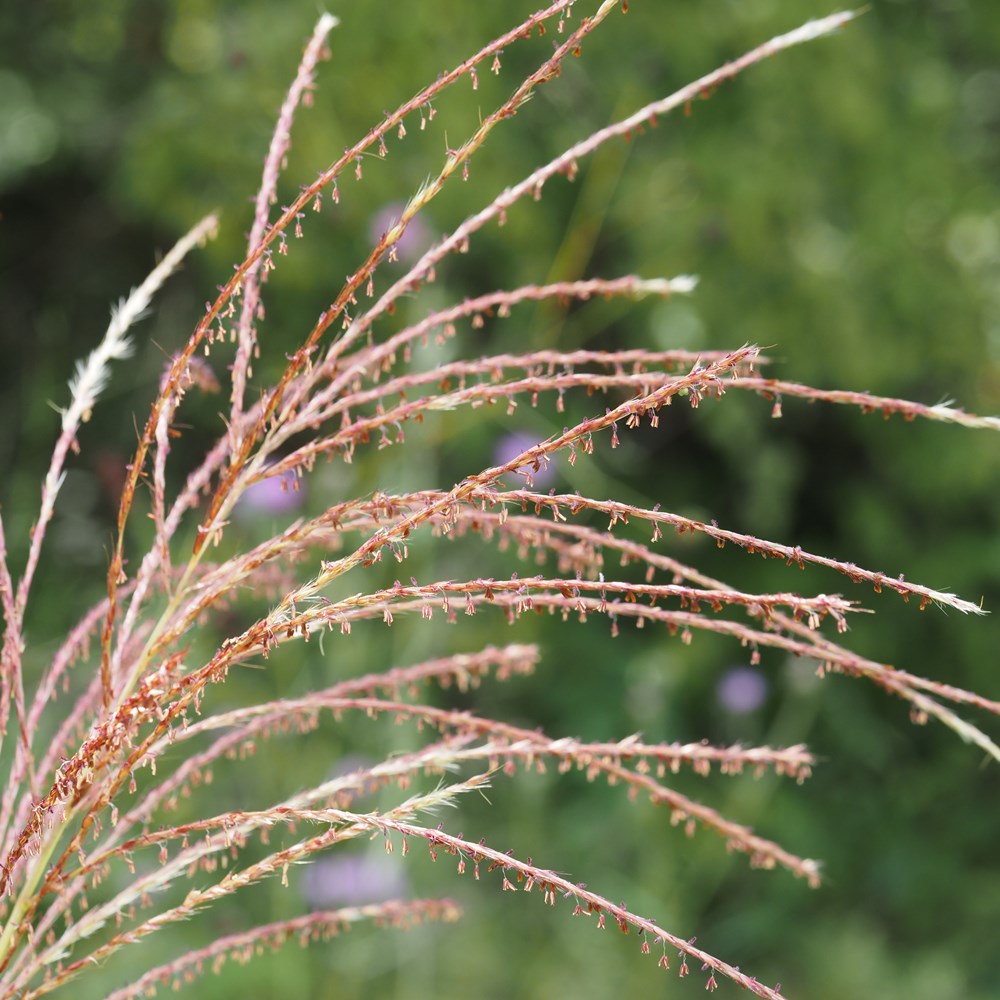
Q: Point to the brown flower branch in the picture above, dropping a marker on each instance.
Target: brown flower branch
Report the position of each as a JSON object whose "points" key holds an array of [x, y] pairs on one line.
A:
{"points": [[791, 554], [530, 877], [774, 389], [311, 928]]}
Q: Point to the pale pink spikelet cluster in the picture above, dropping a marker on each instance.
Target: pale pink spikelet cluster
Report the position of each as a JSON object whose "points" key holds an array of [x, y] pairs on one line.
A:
{"points": [[98, 850]]}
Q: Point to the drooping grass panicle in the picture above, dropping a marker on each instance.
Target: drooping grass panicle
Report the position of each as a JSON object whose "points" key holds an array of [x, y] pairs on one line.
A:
{"points": [[312, 928], [97, 781], [564, 164], [328, 401], [793, 555], [530, 877], [234, 478], [273, 865], [774, 389], [291, 390]]}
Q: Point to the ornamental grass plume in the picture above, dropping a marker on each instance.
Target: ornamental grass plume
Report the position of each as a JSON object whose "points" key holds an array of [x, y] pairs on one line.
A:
{"points": [[100, 849]]}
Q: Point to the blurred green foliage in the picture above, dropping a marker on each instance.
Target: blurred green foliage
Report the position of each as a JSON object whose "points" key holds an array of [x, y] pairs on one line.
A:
{"points": [[839, 202]]}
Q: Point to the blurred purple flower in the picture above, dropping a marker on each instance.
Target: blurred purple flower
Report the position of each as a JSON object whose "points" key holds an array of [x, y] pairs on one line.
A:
{"points": [[510, 446], [414, 241], [741, 690], [275, 495], [352, 880]]}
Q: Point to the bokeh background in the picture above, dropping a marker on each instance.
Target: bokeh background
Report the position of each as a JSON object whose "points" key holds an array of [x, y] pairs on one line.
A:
{"points": [[840, 204]]}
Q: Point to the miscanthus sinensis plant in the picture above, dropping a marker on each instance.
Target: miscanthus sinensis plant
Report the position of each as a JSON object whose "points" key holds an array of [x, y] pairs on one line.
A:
{"points": [[97, 852]]}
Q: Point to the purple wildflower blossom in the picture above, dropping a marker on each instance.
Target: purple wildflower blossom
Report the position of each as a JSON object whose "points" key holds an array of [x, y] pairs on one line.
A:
{"points": [[741, 690], [274, 495]]}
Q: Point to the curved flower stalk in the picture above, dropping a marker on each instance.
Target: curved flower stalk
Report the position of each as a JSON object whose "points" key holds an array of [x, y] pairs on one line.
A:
{"points": [[99, 849], [312, 928]]}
